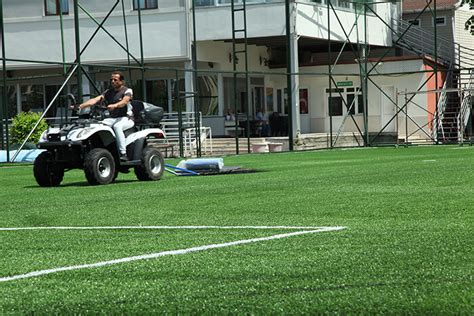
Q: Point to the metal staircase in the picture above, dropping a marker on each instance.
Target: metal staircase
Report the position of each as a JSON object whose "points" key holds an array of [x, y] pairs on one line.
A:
{"points": [[464, 118], [458, 62]]}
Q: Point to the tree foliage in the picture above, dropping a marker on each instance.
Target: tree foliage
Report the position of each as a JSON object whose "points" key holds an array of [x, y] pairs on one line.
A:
{"points": [[469, 23]]}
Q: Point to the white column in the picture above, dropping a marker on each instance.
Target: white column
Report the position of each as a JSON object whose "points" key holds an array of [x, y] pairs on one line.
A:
{"points": [[188, 86], [295, 84]]}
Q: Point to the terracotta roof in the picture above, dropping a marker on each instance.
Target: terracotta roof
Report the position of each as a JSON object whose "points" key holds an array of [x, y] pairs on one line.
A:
{"points": [[417, 5]]}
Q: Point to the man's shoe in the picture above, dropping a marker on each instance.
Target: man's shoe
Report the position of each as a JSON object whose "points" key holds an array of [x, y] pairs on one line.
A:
{"points": [[123, 157]]}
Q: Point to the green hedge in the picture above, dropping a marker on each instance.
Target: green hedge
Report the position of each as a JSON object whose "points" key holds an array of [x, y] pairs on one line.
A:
{"points": [[22, 125]]}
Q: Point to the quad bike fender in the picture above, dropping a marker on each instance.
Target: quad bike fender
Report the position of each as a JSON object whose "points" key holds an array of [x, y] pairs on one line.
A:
{"points": [[104, 132], [156, 133]]}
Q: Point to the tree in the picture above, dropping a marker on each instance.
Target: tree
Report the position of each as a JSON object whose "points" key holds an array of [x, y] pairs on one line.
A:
{"points": [[469, 23]]}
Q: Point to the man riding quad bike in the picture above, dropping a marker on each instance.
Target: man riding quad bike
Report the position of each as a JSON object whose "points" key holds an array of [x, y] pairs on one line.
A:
{"points": [[88, 144]]}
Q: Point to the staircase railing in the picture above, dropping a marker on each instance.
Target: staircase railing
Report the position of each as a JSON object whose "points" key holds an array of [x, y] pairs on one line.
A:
{"points": [[466, 107], [441, 107], [421, 41]]}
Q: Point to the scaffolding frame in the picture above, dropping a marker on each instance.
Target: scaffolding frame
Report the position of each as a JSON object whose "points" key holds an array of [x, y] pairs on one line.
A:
{"points": [[361, 9]]}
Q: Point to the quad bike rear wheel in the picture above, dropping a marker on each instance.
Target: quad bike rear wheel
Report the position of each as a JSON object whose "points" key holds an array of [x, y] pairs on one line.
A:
{"points": [[99, 166], [152, 165], [47, 173]]}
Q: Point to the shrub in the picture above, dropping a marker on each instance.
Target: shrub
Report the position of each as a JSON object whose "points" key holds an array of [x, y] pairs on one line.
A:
{"points": [[22, 125]]}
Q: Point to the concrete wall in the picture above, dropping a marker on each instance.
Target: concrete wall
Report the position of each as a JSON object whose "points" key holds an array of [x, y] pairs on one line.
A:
{"points": [[462, 36], [166, 30], [31, 35], [426, 20], [312, 21]]}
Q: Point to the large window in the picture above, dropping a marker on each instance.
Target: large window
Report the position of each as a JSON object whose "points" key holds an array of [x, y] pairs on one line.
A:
{"points": [[157, 92], [11, 100], [53, 7], [335, 101], [145, 4], [32, 98], [345, 100], [207, 88]]}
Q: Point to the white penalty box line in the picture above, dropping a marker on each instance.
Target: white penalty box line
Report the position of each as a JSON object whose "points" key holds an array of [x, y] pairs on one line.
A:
{"points": [[302, 230]]}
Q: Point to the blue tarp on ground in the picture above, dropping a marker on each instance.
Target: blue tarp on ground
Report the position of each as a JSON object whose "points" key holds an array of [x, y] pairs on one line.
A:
{"points": [[27, 155]]}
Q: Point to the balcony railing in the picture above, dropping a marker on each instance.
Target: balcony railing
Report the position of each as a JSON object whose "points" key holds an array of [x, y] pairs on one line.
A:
{"points": [[209, 3]]}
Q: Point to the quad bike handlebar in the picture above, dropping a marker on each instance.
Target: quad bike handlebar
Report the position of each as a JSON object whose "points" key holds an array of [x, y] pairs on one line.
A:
{"points": [[96, 111]]}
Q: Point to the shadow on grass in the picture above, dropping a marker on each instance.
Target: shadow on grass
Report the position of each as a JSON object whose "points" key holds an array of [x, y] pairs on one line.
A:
{"points": [[79, 184]]}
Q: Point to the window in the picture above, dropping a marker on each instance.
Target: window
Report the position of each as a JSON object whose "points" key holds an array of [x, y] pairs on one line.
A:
{"points": [[52, 7], [304, 102], [11, 100], [335, 101], [207, 89], [32, 98], [157, 92], [439, 21], [355, 105], [203, 3], [351, 97], [145, 4]]}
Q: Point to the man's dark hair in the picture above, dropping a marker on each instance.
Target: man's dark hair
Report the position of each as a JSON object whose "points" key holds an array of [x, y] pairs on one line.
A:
{"points": [[121, 76]]}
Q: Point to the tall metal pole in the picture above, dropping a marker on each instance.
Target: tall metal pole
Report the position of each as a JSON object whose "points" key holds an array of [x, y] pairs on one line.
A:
{"points": [[142, 61], [78, 49], [330, 73], [126, 42], [406, 118], [180, 114], [436, 71], [247, 77], [61, 24], [289, 73], [195, 82], [4, 92], [234, 85], [365, 87]]}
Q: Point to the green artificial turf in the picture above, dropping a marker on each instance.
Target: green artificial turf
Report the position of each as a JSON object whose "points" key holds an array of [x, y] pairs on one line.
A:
{"points": [[407, 248]]}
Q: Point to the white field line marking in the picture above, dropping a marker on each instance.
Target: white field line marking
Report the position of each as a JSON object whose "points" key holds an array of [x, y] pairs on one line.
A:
{"points": [[157, 227], [164, 253]]}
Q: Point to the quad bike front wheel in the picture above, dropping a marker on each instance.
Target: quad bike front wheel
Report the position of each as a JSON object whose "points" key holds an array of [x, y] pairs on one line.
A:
{"points": [[99, 166], [152, 165], [47, 172]]}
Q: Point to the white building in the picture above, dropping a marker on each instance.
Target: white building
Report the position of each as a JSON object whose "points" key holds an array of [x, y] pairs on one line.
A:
{"points": [[38, 39]]}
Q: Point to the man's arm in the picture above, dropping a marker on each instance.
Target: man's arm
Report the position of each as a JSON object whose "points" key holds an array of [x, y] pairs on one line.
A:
{"points": [[91, 102], [120, 104]]}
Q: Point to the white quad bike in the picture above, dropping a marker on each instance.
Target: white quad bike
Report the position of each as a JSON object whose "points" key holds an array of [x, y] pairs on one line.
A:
{"points": [[88, 144]]}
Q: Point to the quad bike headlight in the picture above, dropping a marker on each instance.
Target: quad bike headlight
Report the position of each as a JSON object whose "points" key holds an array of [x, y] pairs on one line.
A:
{"points": [[44, 136], [85, 132]]}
